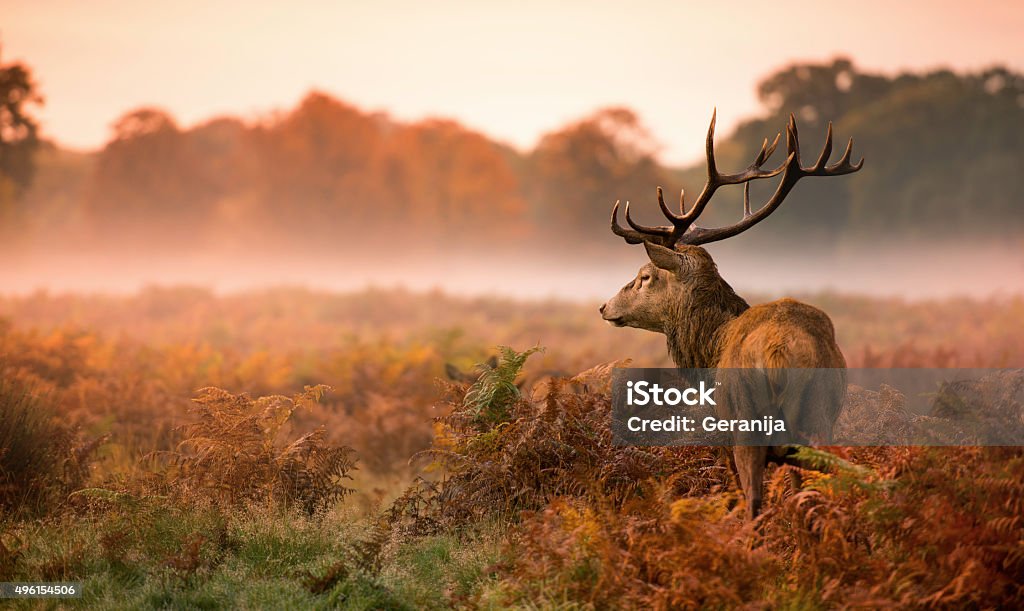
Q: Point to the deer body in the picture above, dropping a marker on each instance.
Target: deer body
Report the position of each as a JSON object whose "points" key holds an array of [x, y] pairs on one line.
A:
{"points": [[783, 334], [707, 325]]}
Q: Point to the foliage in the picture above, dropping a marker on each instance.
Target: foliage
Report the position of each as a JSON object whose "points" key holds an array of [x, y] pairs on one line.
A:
{"points": [[222, 183], [537, 451], [145, 553], [883, 527], [535, 506], [577, 171], [654, 553], [128, 365], [910, 533], [151, 172], [872, 527], [42, 459], [236, 452], [490, 399], [932, 527]]}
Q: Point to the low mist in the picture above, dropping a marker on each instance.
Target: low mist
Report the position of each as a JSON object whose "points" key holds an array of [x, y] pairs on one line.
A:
{"points": [[911, 272]]}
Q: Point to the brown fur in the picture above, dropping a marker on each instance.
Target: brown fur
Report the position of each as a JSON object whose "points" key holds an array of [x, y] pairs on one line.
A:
{"points": [[707, 325]]}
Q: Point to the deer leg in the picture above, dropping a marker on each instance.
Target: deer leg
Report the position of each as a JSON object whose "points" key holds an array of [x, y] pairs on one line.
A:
{"points": [[729, 457], [750, 462], [727, 454]]}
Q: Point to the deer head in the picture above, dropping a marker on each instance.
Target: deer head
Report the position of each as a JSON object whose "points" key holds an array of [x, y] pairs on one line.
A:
{"points": [[669, 278], [681, 275]]}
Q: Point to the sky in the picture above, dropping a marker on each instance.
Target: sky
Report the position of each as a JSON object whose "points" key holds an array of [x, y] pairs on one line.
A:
{"points": [[513, 70]]}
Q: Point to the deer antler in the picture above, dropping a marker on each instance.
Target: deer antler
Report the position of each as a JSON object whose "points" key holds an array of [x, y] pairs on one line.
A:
{"points": [[684, 231]]}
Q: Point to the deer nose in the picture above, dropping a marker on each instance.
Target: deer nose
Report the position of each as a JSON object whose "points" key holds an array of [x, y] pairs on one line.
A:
{"points": [[601, 309]]}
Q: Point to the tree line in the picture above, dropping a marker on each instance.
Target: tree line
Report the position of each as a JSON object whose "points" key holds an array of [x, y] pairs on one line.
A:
{"points": [[943, 152]]}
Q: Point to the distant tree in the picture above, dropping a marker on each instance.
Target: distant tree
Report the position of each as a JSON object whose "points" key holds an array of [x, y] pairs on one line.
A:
{"points": [[340, 177], [150, 183], [815, 94], [314, 169], [820, 92], [230, 171], [949, 150], [19, 133], [452, 183], [576, 173]]}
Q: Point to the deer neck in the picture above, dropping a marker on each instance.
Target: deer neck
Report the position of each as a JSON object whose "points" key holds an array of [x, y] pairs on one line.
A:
{"points": [[695, 328]]}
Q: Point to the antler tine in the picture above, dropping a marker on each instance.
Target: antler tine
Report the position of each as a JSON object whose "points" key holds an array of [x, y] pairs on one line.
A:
{"points": [[639, 233], [636, 226], [792, 173], [716, 179], [709, 146], [843, 166], [631, 237], [767, 151], [675, 218], [826, 151], [712, 182], [712, 167], [664, 235], [793, 138]]}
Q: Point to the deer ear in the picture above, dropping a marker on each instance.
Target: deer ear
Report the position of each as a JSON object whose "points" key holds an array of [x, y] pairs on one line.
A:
{"points": [[665, 258]]}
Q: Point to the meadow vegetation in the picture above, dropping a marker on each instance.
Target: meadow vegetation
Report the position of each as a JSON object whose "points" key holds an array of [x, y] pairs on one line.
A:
{"points": [[289, 448]]}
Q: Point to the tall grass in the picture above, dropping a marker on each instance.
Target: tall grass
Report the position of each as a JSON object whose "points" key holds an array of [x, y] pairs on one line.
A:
{"points": [[42, 458]]}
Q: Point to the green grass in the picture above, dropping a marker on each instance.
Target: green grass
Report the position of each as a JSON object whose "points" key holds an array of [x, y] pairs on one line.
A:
{"points": [[433, 572], [138, 556]]}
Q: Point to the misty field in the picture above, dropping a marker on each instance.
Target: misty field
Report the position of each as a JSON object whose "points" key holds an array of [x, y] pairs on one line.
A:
{"points": [[290, 448]]}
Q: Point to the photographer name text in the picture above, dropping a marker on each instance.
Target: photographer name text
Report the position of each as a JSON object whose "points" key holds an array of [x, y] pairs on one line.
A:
{"points": [[644, 393]]}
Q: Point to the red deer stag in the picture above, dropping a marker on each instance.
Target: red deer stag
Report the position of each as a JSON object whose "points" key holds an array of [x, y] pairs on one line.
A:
{"points": [[679, 293]]}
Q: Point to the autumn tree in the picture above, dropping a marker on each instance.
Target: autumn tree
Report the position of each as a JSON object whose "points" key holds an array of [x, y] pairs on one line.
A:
{"points": [[314, 169], [577, 172], [453, 184], [150, 184], [340, 177]]}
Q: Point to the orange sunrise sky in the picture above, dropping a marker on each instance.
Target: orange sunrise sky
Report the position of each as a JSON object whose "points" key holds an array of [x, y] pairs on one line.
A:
{"points": [[513, 70]]}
